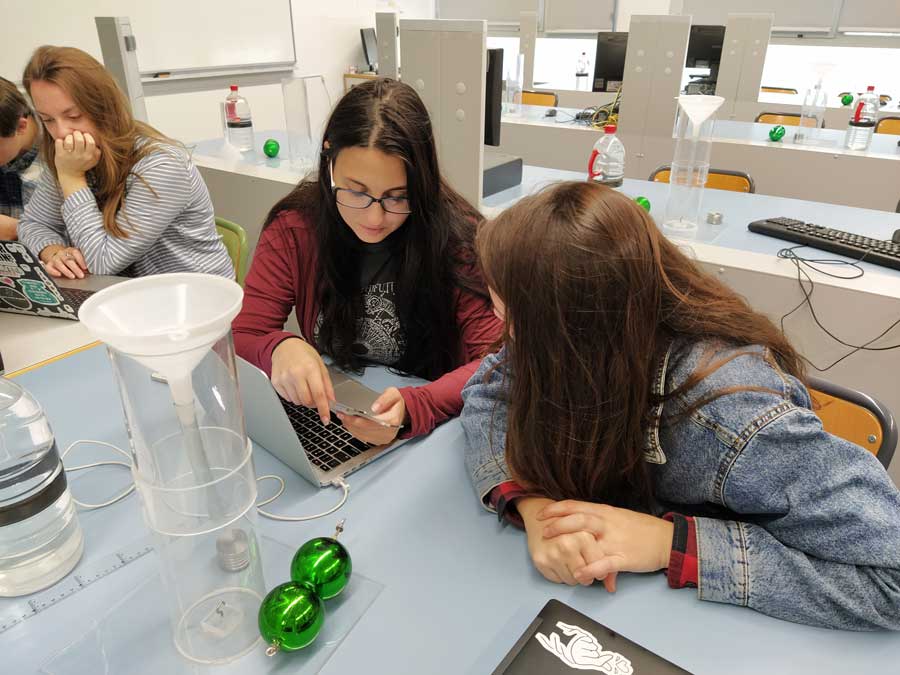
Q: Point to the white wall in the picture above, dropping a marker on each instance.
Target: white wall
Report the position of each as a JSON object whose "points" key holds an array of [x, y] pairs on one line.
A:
{"points": [[626, 8], [326, 38]]}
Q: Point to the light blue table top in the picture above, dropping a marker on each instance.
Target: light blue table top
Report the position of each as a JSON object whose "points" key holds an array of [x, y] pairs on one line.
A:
{"points": [[458, 586], [737, 209]]}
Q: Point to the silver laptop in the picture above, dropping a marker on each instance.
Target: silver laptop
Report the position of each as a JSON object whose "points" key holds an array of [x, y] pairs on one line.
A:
{"points": [[296, 435]]}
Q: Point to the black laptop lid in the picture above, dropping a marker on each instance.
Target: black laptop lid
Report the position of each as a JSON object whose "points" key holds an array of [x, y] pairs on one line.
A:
{"points": [[25, 286], [563, 641]]}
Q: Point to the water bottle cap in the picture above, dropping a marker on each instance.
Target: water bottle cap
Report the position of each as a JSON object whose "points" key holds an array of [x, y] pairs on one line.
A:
{"points": [[609, 129], [234, 87], [870, 88]]}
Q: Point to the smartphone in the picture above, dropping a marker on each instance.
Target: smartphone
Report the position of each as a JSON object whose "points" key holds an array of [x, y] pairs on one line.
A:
{"points": [[356, 412]]}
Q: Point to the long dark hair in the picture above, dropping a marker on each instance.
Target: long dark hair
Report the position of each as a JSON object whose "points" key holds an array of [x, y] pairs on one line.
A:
{"points": [[594, 296], [433, 248]]}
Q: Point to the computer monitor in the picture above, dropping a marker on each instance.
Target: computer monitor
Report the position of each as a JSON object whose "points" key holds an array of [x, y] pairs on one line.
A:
{"points": [[609, 64], [493, 96], [370, 48], [705, 48]]}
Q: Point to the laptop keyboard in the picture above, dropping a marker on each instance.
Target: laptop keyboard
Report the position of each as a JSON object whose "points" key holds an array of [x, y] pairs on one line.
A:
{"points": [[327, 447], [75, 296]]}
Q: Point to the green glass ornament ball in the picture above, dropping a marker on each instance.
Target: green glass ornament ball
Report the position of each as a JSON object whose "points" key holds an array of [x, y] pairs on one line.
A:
{"points": [[643, 202], [847, 99], [271, 148], [324, 564], [776, 133], [290, 617]]}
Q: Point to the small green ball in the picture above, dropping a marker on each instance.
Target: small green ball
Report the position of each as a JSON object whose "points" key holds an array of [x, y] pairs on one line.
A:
{"points": [[643, 202], [776, 133], [290, 617], [847, 99], [271, 148], [324, 565]]}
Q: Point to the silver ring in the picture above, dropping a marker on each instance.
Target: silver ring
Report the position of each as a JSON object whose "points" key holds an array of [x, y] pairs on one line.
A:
{"points": [[69, 256]]}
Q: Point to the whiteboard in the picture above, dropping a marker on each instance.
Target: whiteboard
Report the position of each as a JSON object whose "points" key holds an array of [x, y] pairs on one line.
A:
{"points": [[172, 35], [577, 15], [811, 15], [494, 11]]}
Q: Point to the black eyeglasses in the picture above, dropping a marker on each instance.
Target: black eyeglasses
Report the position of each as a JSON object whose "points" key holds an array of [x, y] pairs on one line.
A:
{"points": [[362, 200], [354, 199]]}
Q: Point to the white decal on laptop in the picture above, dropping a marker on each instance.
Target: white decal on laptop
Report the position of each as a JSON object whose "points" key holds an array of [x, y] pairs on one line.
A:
{"points": [[583, 652]]}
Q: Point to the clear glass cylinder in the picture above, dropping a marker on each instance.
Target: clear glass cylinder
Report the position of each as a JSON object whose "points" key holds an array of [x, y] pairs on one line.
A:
{"points": [[515, 83], [306, 109], [694, 126], [194, 473]]}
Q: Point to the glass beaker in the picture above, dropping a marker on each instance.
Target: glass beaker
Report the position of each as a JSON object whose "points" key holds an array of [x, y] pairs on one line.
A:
{"points": [[694, 124], [515, 79], [306, 109], [169, 340]]}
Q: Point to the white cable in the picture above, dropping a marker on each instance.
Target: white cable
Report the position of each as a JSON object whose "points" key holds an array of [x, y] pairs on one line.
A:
{"points": [[106, 462], [339, 482]]}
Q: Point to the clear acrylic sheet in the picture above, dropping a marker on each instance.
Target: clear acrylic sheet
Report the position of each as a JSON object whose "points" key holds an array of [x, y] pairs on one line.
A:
{"points": [[135, 636]]}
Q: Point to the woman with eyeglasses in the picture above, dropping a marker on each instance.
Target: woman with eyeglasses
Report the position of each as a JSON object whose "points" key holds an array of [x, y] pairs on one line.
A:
{"points": [[375, 257]]}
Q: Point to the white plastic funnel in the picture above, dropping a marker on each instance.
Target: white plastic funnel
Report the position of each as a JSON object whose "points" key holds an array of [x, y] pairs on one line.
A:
{"points": [[699, 108], [167, 322]]}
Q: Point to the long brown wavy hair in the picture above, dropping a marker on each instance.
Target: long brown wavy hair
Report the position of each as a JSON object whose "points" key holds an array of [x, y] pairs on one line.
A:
{"points": [[97, 96], [594, 295]]}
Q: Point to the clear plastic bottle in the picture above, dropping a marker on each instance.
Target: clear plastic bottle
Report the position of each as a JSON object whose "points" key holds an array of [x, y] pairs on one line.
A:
{"points": [[607, 162], [40, 539], [862, 121], [238, 121], [582, 78], [812, 114]]}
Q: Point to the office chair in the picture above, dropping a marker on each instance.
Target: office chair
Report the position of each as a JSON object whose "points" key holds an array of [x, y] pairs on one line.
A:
{"points": [[235, 240], [888, 125], [778, 90], [787, 119], [546, 98], [719, 179], [855, 417]]}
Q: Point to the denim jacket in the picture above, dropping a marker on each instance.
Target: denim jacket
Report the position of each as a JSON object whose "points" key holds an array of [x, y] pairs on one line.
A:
{"points": [[791, 520]]}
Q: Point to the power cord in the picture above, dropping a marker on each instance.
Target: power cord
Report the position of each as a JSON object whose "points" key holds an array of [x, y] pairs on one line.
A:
{"points": [[105, 462], [813, 263], [338, 482]]}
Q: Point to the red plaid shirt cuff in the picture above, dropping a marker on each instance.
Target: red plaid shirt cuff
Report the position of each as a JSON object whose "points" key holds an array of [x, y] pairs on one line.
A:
{"points": [[502, 499], [683, 568]]}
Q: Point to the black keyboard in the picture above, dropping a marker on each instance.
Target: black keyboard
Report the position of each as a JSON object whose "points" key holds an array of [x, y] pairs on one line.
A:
{"points": [[327, 447], [75, 296], [856, 246]]}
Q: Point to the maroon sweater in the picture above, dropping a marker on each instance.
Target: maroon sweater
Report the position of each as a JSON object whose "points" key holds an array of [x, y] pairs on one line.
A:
{"points": [[283, 278]]}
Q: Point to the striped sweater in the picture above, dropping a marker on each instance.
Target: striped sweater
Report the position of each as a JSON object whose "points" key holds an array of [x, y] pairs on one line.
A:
{"points": [[170, 227]]}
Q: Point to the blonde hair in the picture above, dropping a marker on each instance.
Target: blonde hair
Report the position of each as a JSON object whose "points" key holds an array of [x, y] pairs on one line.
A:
{"points": [[97, 95]]}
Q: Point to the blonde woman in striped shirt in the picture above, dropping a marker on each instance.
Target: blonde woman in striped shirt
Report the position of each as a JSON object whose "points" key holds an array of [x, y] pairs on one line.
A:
{"points": [[118, 197]]}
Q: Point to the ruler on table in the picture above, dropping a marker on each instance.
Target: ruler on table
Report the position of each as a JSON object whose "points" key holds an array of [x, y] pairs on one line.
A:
{"points": [[80, 578]]}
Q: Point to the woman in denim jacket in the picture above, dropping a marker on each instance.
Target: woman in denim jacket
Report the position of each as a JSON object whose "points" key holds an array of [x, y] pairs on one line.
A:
{"points": [[650, 419]]}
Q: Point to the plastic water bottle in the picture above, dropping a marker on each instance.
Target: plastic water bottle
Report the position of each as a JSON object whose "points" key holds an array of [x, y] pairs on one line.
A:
{"points": [[238, 121], [862, 121], [607, 162], [40, 539], [582, 80], [812, 114]]}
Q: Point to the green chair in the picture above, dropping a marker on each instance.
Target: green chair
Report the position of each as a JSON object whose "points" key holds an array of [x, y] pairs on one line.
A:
{"points": [[235, 240]]}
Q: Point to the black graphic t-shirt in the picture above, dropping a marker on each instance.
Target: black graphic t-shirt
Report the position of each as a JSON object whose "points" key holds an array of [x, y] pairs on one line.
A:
{"points": [[378, 335]]}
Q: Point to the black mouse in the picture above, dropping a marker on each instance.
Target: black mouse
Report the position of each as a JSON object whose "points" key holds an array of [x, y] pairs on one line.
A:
{"points": [[896, 237], [551, 112]]}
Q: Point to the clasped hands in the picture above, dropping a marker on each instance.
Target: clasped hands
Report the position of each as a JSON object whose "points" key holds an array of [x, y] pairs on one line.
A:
{"points": [[575, 542]]}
